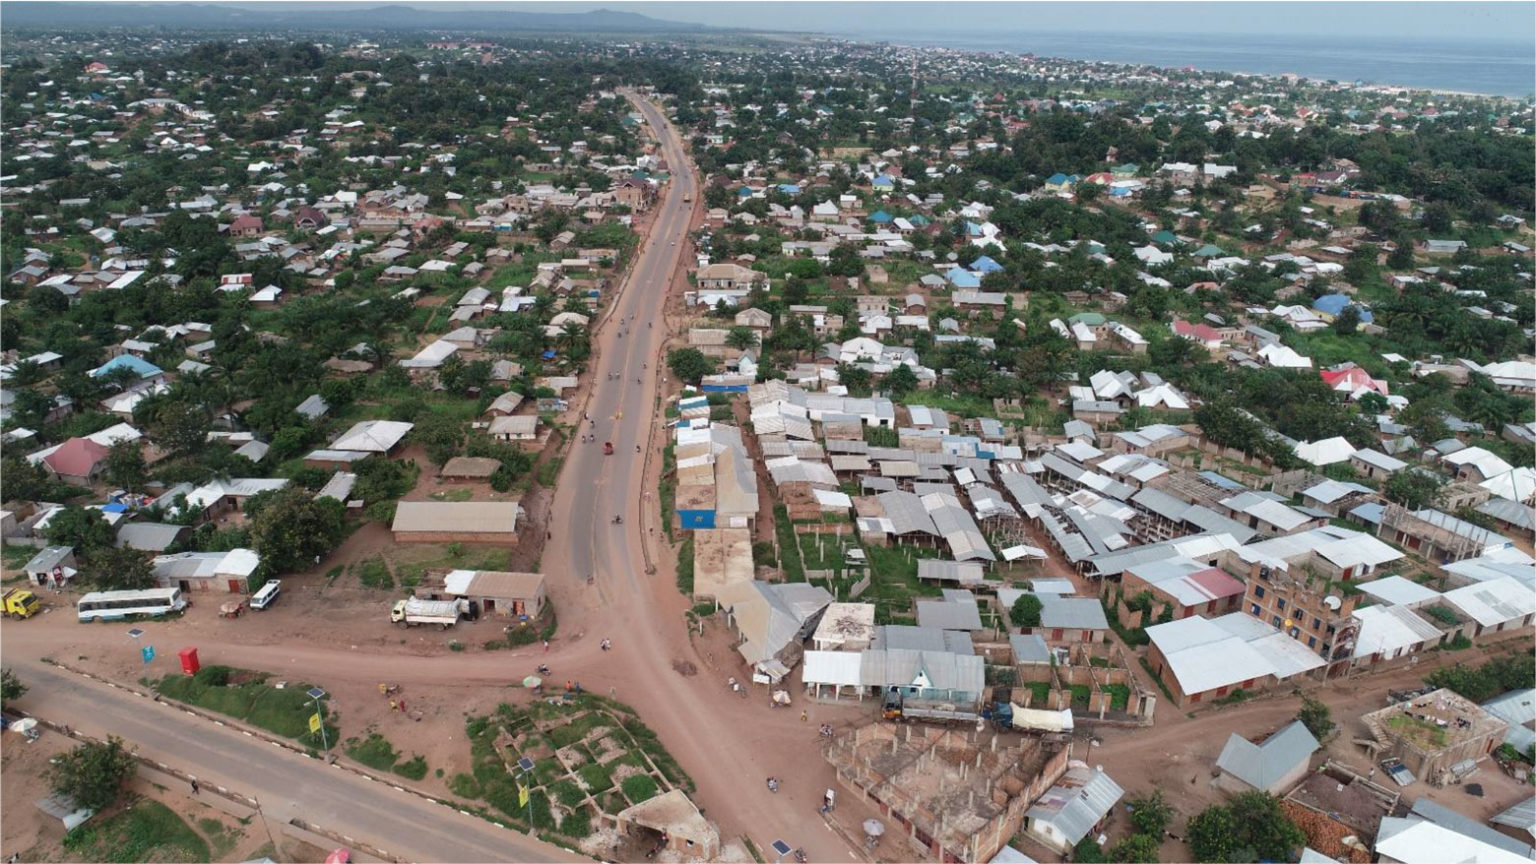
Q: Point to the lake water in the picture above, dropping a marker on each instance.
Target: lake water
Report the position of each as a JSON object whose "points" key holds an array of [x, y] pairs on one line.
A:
{"points": [[1498, 68]]}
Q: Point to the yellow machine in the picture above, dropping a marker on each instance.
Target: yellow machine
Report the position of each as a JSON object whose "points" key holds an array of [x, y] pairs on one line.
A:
{"points": [[20, 603]]}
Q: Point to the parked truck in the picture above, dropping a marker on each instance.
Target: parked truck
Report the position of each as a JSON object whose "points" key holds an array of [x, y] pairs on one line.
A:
{"points": [[413, 611], [20, 603], [897, 708]]}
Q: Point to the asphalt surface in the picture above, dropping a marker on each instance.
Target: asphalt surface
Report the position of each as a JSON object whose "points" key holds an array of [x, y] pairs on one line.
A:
{"points": [[622, 404], [287, 784]]}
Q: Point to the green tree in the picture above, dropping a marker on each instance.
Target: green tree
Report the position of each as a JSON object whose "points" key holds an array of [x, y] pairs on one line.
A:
{"points": [[741, 338], [1088, 851], [85, 530], [289, 527], [1212, 835], [1025, 611], [93, 775], [1315, 715], [1347, 321], [1413, 489], [1151, 814], [109, 569], [1401, 256], [10, 686], [901, 381], [856, 378], [442, 435], [1089, 192], [1136, 849], [125, 467], [181, 428], [689, 364], [1250, 827]]}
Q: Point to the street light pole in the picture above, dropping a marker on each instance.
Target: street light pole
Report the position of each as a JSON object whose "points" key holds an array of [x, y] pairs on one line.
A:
{"points": [[315, 694]]}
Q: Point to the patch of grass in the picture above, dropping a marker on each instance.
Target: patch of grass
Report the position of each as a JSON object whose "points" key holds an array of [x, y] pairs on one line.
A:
{"points": [[549, 472], [1236, 697], [567, 793], [1155, 679], [146, 831], [577, 823], [596, 777], [1039, 692], [893, 584], [639, 787], [1119, 696], [685, 566], [375, 751], [374, 573], [283, 712], [789, 546], [1080, 694], [453, 495], [464, 786], [414, 768]]}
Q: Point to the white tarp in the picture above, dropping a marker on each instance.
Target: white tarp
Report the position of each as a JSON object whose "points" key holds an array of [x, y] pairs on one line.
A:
{"points": [[1041, 720]]}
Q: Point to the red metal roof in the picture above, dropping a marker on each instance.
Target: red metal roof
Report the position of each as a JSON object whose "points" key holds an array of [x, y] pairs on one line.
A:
{"points": [[76, 457]]}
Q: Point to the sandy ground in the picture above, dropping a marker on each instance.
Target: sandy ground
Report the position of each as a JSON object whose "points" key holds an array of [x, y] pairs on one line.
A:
{"points": [[36, 836]]}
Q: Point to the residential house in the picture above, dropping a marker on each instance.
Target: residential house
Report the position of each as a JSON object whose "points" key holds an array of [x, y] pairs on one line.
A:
{"points": [[1272, 765]]}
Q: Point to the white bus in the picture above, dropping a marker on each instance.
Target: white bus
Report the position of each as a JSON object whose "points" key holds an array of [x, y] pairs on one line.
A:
{"points": [[268, 594], [109, 605]]}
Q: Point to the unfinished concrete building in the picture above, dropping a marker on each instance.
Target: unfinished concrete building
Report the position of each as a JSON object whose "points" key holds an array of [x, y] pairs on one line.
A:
{"points": [[1095, 682], [955, 796], [1439, 736]]}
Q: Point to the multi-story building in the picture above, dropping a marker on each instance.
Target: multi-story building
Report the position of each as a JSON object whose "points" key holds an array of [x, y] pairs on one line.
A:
{"points": [[1302, 606]]}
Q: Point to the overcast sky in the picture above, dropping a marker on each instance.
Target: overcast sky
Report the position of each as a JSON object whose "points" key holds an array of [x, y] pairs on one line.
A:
{"points": [[1469, 20]]}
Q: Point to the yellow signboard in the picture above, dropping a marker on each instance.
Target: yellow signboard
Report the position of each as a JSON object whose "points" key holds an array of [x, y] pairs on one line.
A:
{"points": [[314, 723], [522, 796]]}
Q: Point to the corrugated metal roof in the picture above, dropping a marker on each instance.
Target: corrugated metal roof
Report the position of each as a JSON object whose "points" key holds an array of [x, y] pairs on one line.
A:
{"points": [[1077, 802], [1262, 765]]}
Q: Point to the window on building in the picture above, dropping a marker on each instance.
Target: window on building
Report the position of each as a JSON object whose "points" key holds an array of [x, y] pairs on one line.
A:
{"points": [[1280, 605], [1316, 623], [1275, 622], [1258, 591], [1255, 612], [1311, 641]]}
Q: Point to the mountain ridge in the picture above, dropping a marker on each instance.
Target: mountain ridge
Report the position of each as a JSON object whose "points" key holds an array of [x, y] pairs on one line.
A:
{"points": [[295, 16]]}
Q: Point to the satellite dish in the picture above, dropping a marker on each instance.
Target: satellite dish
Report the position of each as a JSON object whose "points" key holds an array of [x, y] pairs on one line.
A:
{"points": [[1333, 603]]}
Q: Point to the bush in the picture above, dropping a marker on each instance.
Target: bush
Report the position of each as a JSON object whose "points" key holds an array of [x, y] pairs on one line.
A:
{"points": [[567, 793], [1497, 676], [577, 823], [212, 676], [375, 751], [596, 777], [413, 769], [464, 786], [639, 788]]}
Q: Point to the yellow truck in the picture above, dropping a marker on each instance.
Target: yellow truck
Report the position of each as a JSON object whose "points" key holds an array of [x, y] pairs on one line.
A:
{"points": [[20, 603]]}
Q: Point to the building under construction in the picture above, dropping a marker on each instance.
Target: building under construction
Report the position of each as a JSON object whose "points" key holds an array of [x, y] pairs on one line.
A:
{"points": [[1440, 736], [955, 796]]}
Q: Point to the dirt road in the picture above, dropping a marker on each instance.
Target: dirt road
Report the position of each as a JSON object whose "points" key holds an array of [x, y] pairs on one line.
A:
{"points": [[728, 745]]}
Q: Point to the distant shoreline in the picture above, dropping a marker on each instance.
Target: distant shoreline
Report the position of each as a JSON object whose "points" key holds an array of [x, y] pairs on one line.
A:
{"points": [[935, 41]]}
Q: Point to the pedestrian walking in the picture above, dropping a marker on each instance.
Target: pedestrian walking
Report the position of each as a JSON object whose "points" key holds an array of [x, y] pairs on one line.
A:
{"points": [[804, 717], [194, 786], [546, 646]]}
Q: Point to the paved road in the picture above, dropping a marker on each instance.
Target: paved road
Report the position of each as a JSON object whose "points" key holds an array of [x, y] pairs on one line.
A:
{"points": [[621, 408], [286, 783]]}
